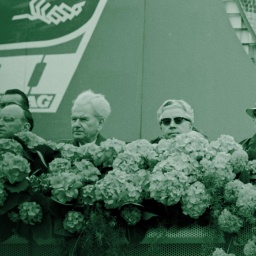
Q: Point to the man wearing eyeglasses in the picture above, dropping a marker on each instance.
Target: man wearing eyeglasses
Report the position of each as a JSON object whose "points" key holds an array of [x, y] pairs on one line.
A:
{"points": [[14, 119], [174, 117], [15, 96]]}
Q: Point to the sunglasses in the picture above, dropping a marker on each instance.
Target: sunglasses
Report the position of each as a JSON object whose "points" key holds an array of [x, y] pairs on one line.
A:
{"points": [[177, 120]]}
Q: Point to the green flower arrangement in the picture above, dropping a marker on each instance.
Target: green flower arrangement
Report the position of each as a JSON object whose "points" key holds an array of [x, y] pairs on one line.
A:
{"points": [[92, 189]]}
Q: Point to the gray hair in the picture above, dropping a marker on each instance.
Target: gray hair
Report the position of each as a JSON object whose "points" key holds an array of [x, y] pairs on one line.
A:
{"points": [[189, 113], [98, 102]]}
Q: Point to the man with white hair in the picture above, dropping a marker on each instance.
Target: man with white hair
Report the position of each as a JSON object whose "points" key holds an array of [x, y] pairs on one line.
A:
{"points": [[88, 115], [174, 117]]}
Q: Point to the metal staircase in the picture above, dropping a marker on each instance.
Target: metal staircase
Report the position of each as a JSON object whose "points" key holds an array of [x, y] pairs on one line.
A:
{"points": [[240, 27]]}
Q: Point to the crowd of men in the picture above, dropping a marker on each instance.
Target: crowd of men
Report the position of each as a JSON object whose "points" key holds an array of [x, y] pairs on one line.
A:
{"points": [[88, 116]]}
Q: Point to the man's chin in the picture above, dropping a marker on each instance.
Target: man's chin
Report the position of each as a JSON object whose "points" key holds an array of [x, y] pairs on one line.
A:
{"points": [[78, 134], [171, 135]]}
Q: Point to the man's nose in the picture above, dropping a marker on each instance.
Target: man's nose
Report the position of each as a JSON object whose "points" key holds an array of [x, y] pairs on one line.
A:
{"points": [[172, 124], [77, 122]]}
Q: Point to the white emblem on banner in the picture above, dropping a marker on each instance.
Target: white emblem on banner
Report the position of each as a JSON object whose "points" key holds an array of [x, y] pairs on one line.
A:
{"points": [[39, 10]]}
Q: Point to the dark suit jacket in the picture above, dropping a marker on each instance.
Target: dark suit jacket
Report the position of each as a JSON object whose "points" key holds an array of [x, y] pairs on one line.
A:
{"points": [[99, 139], [249, 145], [38, 157]]}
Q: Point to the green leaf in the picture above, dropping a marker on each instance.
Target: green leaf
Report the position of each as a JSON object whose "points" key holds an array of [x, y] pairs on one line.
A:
{"points": [[42, 230], [58, 228], [17, 187], [58, 210], [229, 242], [24, 230], [244, 176], [11, 201], [148, 215], [6, 227], [135, 234], [42, 200]]}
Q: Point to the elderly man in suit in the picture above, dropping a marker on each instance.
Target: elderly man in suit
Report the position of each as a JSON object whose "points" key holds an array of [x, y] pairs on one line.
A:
{"points": [[14, 96], [88, 116], [15, 119]]}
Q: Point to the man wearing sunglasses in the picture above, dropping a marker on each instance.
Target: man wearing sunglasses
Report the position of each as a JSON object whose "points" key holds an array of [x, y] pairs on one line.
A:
{"points": [[174, 117]]}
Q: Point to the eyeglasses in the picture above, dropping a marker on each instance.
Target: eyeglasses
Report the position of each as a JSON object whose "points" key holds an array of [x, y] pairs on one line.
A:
{"points": [[8, 119], [177, 120]]}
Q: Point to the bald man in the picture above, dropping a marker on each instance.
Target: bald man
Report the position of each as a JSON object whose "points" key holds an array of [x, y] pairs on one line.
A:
{"points": [[13, 119]]}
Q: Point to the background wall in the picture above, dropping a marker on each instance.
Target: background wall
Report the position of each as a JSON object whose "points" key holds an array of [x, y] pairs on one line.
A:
{"points": [[143, 52]]}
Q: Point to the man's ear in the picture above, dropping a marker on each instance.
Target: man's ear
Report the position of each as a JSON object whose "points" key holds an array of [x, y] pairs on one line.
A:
{"points": [[26, 127], [101, 122]]}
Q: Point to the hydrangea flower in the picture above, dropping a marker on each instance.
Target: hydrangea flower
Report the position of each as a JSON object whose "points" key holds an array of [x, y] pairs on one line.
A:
{"points": [[30, 139], [250, 248], [30, 212], [87, 151], [229, 222], [59, 165], [217, 171], [225, 143], [65, 186], [74, 221], [14, 216], [239, 161], [191, 143], [182, 163], [128, 162], [131, 214], [168, 188], [119, 187], [251, 167], [195, 200], [14, 167], [163, 148], [220, 252], [87, 195], [107, 152], [246, 202], [68, 151], [232, 189], [86, 170], [10, 145], [145, 150]]}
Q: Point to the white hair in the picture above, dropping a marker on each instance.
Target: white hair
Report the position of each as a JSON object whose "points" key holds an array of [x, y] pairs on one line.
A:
{"points": [[189, 113], [98, 102]]}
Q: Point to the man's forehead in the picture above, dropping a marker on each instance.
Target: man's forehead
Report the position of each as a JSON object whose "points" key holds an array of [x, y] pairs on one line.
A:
{"points": [[16, 98], [85, 110], [12, 111], [173, 112]]}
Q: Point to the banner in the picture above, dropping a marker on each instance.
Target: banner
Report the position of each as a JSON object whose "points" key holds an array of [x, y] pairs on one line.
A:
{"points": [[41, 44]]}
